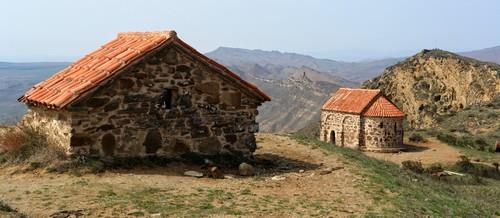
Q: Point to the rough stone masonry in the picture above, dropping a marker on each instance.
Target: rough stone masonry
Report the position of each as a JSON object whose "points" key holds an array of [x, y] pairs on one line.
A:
{"points": [[168, 103]]}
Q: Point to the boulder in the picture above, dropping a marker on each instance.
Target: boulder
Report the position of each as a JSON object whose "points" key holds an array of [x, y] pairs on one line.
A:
{"points": [[215, 173], [246, 169], [193, 173], [278, 178]]}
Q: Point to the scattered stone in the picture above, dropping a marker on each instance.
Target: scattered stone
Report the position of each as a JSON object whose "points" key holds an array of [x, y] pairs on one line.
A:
{"points": [[155, 215], [246, 169], [229, 176], [301, 171], [67, 213], [284, 168], [215, 173], [278, 178], [329, 170], [193, 173]]}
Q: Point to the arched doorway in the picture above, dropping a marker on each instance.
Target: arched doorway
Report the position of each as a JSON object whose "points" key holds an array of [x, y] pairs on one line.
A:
{"points": [[332, 137]]}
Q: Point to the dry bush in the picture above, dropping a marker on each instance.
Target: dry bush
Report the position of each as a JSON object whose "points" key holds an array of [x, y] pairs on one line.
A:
{"points": [[27, 145], [415, 166], [11, 138], [415, 137]]}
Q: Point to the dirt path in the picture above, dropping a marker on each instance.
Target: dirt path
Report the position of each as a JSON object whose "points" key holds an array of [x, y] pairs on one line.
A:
{"points": [[432, 151], [166, 192]]}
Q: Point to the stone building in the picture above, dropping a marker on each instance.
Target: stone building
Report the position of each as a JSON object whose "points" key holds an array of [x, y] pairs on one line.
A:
{"points": [[146, 93], [362, 119]]}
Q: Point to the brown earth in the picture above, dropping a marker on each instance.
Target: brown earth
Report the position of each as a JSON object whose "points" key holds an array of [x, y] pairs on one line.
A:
{"points": [[429, 152], [166, 192]]}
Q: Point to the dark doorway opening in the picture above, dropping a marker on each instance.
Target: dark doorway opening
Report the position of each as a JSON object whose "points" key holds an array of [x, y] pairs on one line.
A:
{"points": [[332, 137]]}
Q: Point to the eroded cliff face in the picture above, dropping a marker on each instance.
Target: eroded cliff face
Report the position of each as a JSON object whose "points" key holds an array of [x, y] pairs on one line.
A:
{"points": [[434, 83]]}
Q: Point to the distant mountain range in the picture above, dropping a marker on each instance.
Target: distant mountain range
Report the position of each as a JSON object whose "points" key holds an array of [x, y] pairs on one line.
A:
{"points": [[487, 54], [277, 61], [298, 84], [15, 79]]}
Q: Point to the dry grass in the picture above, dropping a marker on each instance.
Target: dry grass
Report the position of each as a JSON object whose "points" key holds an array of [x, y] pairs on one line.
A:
{"points": [[27, 145]]}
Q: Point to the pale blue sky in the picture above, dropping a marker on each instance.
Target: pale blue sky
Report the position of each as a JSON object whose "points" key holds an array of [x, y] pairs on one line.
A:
{"points": [[63, 30]]}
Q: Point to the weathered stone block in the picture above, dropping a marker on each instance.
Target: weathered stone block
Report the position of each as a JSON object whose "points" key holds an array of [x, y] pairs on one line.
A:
{"points": [[80, 140], [153, 141], [97, 102], [108, 143], [231, 138], [209, 146], [209, 88], [231, 98], [199, 131], [112, 105], [126, 83]]}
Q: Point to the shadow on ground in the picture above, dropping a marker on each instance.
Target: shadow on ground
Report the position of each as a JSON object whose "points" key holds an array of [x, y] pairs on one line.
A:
{"points": [[413, 148]]}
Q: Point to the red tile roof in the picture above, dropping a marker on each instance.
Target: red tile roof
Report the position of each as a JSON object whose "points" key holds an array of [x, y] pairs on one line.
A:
{"points": [[368, 102], [383, 108], [350, 100], [87, 73]]}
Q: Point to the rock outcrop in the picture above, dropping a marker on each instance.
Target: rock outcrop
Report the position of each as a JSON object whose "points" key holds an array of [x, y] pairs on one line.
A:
{"points": [[434, 83]]}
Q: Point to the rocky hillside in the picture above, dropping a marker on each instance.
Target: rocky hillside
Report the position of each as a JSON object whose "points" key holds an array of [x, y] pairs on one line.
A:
{"points": [[435, 83], [295, 101]]}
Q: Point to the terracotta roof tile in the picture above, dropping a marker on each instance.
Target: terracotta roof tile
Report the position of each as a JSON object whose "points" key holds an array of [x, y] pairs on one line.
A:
{"points": [[350, 100], [383, 108], [369, 102], [69, 84]]}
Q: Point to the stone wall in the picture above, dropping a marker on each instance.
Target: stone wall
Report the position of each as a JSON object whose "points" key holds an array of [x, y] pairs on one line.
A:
{"points": [[345, 126], [56, 124], [383, 134], [365, 133], [167, 104]]}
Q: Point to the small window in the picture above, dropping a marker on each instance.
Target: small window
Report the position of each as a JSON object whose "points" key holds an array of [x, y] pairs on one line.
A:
{"points": [[168, 99], [381, 125], [395, 127]]}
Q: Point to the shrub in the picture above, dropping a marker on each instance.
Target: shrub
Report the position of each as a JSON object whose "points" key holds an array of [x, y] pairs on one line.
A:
{"points": [[464, 164], [415, 166], [5, 207], [415, 137], [12, 139], [27, 145], [434, 168]]}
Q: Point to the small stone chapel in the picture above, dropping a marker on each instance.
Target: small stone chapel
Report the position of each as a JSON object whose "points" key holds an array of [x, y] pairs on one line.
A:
{"points": [[362, 119]]}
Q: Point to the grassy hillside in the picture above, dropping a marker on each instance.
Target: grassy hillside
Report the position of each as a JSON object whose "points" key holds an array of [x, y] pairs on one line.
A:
{"points": [[420, 195]]}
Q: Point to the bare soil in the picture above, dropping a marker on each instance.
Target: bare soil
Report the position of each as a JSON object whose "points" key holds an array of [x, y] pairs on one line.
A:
{"points": [[429, 152], [166, 192]]}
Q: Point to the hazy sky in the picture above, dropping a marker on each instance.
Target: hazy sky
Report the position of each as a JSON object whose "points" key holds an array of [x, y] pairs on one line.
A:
{"points": [[63, 30]]}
